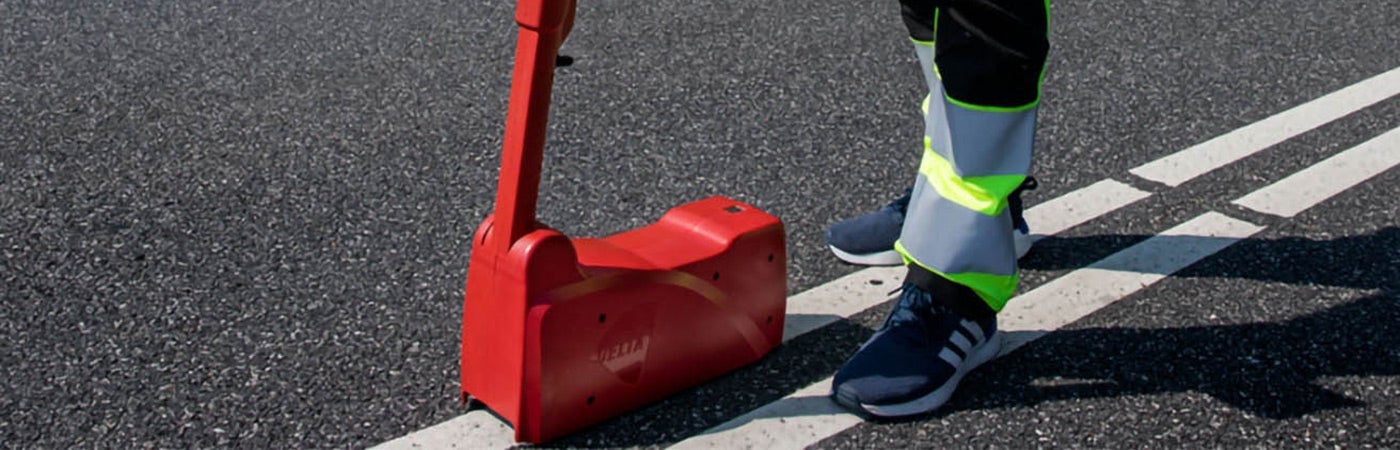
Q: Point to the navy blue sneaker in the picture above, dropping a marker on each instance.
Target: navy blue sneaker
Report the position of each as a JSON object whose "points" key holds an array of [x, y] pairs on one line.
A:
{"points": [[915, 360], [869, 239]]}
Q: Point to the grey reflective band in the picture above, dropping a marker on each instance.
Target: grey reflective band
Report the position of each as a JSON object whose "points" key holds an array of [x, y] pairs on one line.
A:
{"points": [[956, 226], [946, 237], [988, 143], [980, 143]]}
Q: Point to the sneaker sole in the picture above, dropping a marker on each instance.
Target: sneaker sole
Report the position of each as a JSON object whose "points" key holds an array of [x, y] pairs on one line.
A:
{"points": [[1022, 242], [934, 400], [885, 258]]}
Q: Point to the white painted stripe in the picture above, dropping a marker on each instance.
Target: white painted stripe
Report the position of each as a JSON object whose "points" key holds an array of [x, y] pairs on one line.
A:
{"points": [[977, 333], [475, 429], [795, 422], [961, 342], [843, 297], [1184, 165], [1321, 181], [805, 417], [1073, 296], [1067, 211], [950, 356], [822, 305]]}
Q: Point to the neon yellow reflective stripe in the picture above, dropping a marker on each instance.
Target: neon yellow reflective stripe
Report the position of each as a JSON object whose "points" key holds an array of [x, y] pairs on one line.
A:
{"points": [[919, 42], [1000, 109], [927, 98], [936, 13], [984, 194], [996, 290], [1047, 17]]}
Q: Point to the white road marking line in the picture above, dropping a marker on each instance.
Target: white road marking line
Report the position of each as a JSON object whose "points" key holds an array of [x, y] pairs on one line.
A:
{"points": [[806, 417], [475, 429], [1087, 203], [843, 297], [1073, 296], [794, 422], [1321, 181], [1182, 166]]}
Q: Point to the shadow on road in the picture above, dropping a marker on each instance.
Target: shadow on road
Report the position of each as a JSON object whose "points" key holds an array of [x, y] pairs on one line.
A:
{"points": [[1268, 369], [1365, 261]]}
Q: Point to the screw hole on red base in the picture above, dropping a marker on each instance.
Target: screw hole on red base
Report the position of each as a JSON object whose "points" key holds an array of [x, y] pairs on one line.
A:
{"points": [[602, 318], [590, 399], [770, 319], [770, 257], [715, 277]]}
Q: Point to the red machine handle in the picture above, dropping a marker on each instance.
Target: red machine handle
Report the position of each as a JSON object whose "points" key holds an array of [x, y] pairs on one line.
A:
{"points": [[543, 26]]}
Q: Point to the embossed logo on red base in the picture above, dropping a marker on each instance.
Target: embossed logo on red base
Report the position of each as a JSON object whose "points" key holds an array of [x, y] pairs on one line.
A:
{"points": [[623, 349]]}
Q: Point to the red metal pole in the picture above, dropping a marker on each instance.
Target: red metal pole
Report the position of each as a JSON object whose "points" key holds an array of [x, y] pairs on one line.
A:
{"points": [[543, 26]]}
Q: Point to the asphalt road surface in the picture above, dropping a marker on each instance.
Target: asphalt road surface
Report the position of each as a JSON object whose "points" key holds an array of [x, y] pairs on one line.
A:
{"points": [[247, 224]]}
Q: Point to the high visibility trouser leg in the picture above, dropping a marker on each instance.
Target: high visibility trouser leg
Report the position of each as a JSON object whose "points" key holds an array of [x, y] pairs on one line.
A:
{"points": [[984, 62]]}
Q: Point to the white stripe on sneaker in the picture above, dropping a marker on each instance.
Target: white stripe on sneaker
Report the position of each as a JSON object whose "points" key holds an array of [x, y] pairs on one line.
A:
{"points": [[978, 334], [951, 357], [931, 401], [961, 342]]}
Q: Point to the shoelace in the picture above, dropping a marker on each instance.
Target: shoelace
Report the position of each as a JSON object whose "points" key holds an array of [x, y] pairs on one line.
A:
{"points": [[915, 302]]}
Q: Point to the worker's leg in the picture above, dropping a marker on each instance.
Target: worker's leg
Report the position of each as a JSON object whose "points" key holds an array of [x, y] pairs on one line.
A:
{"points": [[984, 71], [983, 61]]}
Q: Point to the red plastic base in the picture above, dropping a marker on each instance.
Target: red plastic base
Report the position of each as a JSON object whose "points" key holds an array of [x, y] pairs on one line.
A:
{"points": [[559, 334]]}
